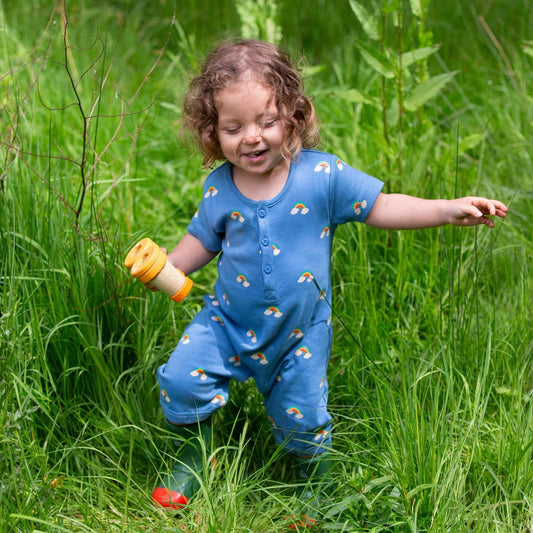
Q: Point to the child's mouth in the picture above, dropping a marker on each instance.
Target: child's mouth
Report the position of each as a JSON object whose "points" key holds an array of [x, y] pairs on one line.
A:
{"points": [[255, 155]]}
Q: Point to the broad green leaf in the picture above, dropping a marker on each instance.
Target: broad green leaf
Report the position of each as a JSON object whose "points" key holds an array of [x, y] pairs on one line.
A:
{"points": [[368, 21], [311, 70], [469, 142], [507, 391], [408, 58], [420, 488], [352, 96], [527, 47], [416, 8], [376, 60], [427, 90], [259, 19]]}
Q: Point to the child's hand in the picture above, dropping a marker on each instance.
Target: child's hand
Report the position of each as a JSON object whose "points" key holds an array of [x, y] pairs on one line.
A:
{"points": [[471, 211]]}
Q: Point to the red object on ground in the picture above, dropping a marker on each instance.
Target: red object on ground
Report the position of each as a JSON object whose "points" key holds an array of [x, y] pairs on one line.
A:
{"points": [[170, 499]]}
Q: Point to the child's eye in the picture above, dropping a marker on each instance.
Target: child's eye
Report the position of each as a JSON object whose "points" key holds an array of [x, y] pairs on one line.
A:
{"points": [[231, 131], [270, 123]]}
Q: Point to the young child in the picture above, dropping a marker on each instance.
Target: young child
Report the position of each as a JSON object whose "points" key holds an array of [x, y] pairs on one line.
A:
{"points": [[269, 213]]}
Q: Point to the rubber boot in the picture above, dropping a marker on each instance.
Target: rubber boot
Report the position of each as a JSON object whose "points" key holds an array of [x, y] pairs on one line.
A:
{"points": [[179, 485], [313, 476]]}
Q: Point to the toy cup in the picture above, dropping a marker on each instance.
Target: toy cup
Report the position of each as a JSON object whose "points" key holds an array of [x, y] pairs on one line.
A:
{"points": [[148, 263]]}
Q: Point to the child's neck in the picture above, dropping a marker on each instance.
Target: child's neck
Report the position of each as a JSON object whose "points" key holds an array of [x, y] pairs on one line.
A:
{"points": [[261, 187]]}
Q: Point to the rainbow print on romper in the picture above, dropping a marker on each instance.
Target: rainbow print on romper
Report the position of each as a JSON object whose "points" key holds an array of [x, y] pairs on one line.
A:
{"points": [[321, 435], [299, 208], [305, 276], [272, 422], [275, 249], [214, 300], [235, 360], [212, 191], [296, 332], [219, 399], [322, 166], [185, 339], [251, 333], [303, 350], [358, 206], [242, 279], [339, 163], [273, 311], [216, 318], [237, 216], [165, 395], [199, 372], [325, 232], [260, 357], [294, 411]]}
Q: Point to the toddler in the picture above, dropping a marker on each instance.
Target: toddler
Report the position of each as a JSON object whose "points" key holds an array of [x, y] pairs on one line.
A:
{"points": [[268, 214]]}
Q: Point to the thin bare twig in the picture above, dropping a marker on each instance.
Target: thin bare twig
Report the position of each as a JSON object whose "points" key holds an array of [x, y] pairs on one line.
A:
{"points": [[85, 124]]}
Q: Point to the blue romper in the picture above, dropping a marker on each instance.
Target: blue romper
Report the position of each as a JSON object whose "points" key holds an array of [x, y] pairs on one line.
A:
{"points": [[269, 318]]}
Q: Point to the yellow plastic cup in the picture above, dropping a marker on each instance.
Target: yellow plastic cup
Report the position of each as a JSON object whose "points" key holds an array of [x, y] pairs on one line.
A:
{"points": [[148, 263]]}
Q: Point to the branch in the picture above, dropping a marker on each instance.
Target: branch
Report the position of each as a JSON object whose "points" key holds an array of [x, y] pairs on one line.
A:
{"points": [[73, 84]]}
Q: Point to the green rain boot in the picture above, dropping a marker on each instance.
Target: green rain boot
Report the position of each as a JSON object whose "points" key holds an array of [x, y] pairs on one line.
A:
{"points": [[313, 475], [178, 486]]}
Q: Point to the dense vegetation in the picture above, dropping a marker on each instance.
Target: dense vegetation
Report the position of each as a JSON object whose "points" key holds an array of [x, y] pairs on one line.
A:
{"points": [[431, 374]]}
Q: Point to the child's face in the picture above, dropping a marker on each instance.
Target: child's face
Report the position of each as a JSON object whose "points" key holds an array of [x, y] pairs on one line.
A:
{"points": [[249, 128]]}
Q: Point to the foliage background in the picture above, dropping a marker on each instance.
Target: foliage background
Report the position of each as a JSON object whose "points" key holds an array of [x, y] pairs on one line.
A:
{"points": [[431, 374]]}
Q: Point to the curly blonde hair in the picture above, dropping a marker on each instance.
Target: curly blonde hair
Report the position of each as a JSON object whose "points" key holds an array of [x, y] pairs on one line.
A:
{"points": [[272, 67]]}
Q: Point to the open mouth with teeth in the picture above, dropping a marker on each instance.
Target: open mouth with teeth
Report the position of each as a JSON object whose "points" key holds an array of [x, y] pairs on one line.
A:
{"points": [[255, 155]]}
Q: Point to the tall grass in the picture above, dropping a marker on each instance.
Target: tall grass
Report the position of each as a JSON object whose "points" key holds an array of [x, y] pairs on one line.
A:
{"points": [[431, 373]]}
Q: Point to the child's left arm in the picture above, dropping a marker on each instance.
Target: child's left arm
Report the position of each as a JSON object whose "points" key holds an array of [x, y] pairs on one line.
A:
{"points": [[399, 211]]}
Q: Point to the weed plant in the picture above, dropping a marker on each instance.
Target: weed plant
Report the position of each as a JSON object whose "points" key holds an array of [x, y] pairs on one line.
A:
{"points": [[431, 374]]}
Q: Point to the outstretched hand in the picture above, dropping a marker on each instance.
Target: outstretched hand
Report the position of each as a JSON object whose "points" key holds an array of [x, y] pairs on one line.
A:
{"points": [[472, 211]]}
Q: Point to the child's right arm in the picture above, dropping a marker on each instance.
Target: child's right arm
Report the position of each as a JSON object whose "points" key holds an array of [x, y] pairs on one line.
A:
{"points": [[190, 255]]}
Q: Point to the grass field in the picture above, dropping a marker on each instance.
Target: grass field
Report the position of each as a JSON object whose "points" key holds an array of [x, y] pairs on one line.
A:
{"points": [[431, 375]]}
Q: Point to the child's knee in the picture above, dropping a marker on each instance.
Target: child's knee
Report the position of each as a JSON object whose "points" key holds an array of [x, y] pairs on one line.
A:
{"points": [[185, 396]]}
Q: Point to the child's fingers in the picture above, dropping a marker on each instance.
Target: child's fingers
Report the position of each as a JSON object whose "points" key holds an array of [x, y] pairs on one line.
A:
{"points": [[489, 207], [483, 206], [501, 208]]}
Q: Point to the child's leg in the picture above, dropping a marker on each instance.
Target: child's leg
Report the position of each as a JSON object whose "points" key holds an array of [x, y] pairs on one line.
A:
{"points": [[297, 408], [297, 401], [194, 381], [194, 384], [313, 475], [193, 449]]}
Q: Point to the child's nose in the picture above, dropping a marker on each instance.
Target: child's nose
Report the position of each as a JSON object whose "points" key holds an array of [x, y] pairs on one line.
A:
{"points": [[252, 135]]}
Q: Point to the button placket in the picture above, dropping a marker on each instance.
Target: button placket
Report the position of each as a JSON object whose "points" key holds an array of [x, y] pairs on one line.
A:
{"points": [[267, 255]]}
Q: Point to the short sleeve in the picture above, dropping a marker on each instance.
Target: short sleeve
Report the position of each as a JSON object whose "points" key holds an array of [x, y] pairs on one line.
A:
{"points": [[204, 225], [352, 192]]}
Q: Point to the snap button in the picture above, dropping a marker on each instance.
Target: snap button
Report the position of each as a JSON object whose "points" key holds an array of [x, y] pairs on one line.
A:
{"points": [[262, 213], [267, 269], [264, 241]]}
